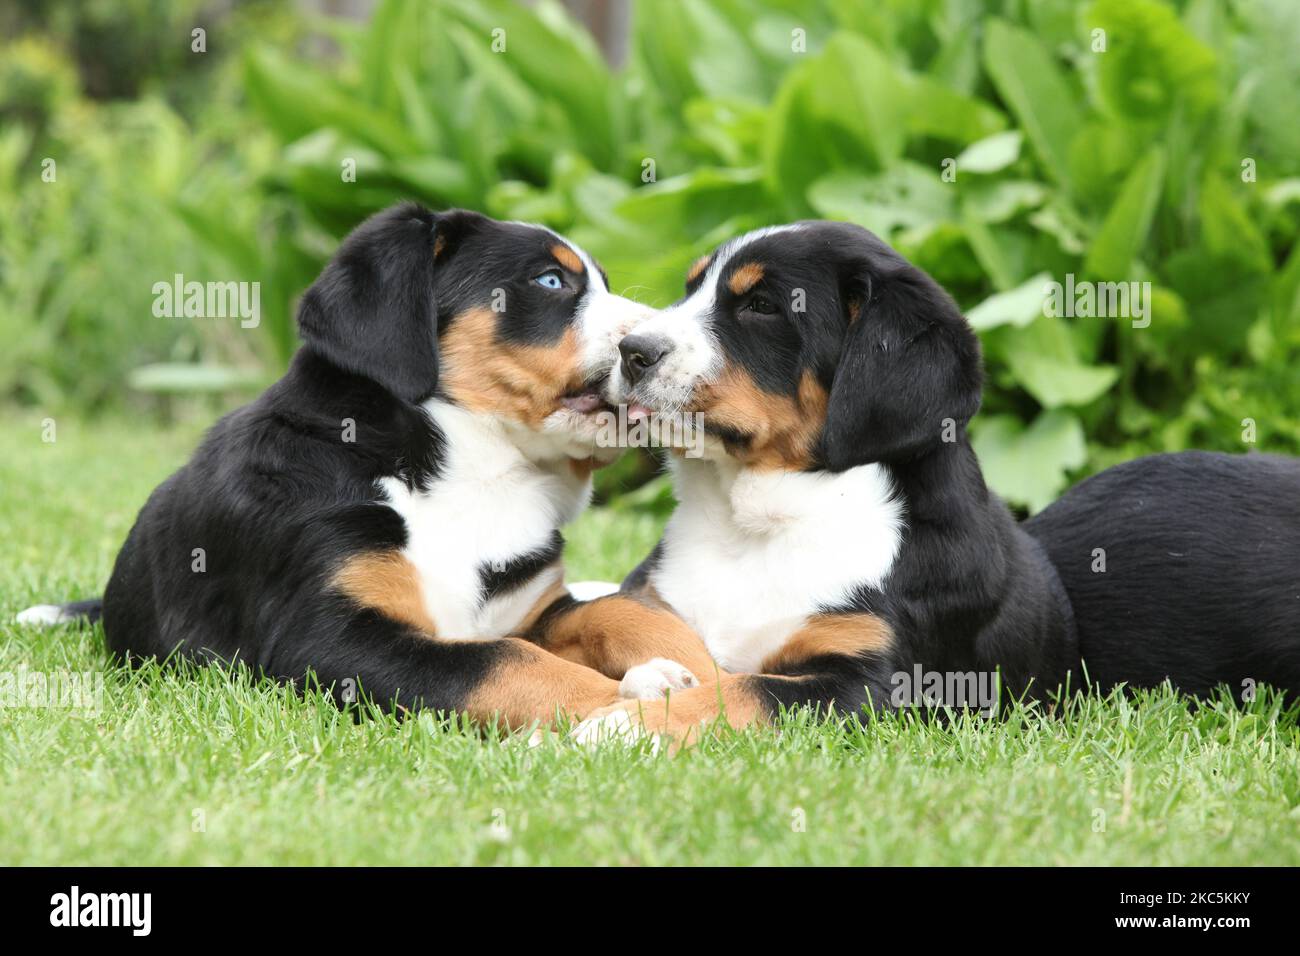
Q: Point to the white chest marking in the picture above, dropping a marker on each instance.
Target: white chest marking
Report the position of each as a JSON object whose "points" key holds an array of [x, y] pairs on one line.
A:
{"points": [[748, 555], [490, 504]]}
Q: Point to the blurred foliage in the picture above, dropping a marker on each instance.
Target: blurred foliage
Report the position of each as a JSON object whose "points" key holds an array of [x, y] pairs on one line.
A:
{"points": [[1128, 163]]}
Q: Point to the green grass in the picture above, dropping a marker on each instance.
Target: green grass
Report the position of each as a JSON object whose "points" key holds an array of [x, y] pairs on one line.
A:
{"points": [[208, 768]]}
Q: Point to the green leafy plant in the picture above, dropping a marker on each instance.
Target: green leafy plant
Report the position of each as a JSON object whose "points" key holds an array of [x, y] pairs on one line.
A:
{"points": [[1000, 145]]}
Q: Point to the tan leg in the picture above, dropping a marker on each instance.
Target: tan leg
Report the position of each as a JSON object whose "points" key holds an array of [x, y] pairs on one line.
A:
{"points": [[614, 633], [816, 663], [528, 685]]}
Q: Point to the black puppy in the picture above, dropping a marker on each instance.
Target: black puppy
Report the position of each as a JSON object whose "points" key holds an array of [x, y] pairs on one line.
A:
{"points": [[1184, 567], [387, 515], [836, 545]]}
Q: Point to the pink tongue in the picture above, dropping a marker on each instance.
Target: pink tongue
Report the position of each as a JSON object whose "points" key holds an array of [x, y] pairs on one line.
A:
{"points": [[586, 402], [636, 410]]}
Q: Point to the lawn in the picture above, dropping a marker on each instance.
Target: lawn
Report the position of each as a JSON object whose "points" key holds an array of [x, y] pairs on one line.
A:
{"points": [[182, 769]]}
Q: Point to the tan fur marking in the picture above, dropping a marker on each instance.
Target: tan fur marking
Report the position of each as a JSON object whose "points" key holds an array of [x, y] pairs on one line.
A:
{"points": [[698, 267], [568, 258], [615, 633], [784, 430], [822, 634], [855, 309], [745, 278], [388, 583], [532, 685], [523, 382], [439, 244], [686, 716]]}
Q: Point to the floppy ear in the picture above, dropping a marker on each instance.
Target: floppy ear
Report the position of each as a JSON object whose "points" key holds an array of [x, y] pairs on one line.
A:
{"points": [[372, 310], [909, 363]]}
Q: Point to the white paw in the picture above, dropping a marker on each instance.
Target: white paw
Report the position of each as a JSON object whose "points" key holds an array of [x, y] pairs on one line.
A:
{"points": [[655, 678], [616, 725], [44, 615]]}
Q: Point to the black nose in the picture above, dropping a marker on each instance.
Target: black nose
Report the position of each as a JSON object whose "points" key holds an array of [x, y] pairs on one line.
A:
{"points": [[641, 353]]}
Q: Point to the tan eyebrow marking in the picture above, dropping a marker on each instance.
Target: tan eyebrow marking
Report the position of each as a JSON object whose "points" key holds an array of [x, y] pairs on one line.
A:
{"points": [[567, 258], [697, 267], [745, 278], [438, 245]]}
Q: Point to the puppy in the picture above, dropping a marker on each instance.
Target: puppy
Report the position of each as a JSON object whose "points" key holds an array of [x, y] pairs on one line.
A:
{"points": [[386, 516], [836, 544]]}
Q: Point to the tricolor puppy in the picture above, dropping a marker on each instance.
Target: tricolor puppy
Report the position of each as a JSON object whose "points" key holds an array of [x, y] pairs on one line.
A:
{"points": [[387, 515], [836, 544], [838, 547]]}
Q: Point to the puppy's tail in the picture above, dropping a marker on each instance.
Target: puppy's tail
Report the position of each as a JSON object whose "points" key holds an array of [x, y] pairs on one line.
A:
{"points": [[74, 612]]}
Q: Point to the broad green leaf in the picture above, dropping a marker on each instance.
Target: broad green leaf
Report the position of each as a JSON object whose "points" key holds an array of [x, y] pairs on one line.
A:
{"points": [[1019, 306], [298, 100], [934, 109], [999, 200], [1152, 62], [1126, 225], [693, 203], [1036, 91], [1045, 362], [843, 108], [1029, 466], [908, 196], [990, 154], [554, 59]]}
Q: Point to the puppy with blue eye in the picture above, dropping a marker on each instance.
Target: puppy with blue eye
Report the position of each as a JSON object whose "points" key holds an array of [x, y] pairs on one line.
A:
{"points": [[837, 546], [386, 516]]}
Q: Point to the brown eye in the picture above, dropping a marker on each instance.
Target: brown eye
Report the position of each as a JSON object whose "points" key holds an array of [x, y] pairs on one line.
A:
{"points": [[762, 305]]}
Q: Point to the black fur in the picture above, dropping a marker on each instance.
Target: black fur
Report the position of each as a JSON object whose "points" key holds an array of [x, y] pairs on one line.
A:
{"points": [[500, 577], [231, 557], [1201, 579]]}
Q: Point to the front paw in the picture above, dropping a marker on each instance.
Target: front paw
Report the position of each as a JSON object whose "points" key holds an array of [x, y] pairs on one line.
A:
{"points": [[654, 679], [620, 722]]}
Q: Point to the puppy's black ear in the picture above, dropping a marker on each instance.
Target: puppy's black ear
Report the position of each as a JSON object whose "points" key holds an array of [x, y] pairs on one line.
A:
{"points": [[372, 310], [909, 367]]}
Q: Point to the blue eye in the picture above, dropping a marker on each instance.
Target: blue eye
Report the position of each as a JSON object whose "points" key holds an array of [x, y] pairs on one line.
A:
{"points": [[550, 280]]}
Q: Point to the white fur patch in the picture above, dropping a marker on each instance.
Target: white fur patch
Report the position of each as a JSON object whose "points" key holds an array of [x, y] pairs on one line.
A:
{"points": [[617, 726], [695, 356], [590, 590], [44, 615], [492, 503], [750, 555]]}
